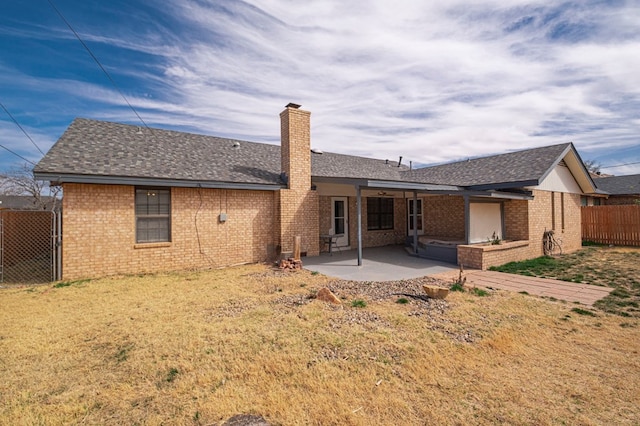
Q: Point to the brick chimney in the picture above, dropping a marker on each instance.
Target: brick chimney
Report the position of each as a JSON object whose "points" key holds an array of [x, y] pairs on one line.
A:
{"points": [[295, 146], [298, 205]]}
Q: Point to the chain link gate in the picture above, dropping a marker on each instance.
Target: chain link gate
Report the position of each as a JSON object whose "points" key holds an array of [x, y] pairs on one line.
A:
{"points": [[30, 246]]}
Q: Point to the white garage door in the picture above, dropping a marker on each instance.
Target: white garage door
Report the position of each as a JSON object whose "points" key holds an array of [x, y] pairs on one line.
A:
{"points": [[486, 218]]}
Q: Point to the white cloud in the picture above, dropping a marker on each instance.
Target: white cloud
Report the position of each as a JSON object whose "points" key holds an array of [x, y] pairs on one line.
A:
{"points": [[432, 81]]}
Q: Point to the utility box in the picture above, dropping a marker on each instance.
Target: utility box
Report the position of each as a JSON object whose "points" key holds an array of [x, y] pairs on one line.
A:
{"points": [[222, 218]]}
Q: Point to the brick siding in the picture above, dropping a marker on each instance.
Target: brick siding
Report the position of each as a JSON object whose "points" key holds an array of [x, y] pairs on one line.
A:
{"points": [[541, 214], [444, 217], [99, 230], [299, 210], [516, 220]]}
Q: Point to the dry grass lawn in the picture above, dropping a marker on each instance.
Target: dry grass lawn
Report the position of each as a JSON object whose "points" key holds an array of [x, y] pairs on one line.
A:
{"points": [[199, 347]]}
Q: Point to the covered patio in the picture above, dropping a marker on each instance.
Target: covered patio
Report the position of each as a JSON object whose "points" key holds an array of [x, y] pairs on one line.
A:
{"points": [[432, 220], [387, 263]]}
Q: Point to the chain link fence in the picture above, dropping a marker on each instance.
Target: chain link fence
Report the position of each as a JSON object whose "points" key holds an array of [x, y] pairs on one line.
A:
{"points": [[30, 246]]}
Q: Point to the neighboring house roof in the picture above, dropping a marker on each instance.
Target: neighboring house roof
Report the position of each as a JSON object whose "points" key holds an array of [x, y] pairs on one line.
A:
{"points": [[620, 185], [104, 152], [24, 202]]}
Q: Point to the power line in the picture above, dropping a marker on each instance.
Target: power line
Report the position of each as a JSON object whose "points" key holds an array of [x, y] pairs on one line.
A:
{"points": [[18, 124], [620, 165], [97, 62], [17, 155]]}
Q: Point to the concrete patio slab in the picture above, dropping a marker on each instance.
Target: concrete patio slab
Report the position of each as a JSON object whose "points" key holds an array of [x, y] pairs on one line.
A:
{"points": [[585, 294], [391, 263], [388, 263]]}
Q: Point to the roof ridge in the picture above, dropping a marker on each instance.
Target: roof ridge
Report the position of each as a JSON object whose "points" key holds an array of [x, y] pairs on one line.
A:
{"points": [[519, 151], [180, 132]]}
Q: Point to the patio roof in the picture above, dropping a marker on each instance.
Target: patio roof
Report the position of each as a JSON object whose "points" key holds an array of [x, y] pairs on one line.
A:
{"points": [[423, 188]]}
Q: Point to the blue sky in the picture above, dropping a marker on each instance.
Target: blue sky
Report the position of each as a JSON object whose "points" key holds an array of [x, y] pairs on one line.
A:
{"points": [[431, 81]]}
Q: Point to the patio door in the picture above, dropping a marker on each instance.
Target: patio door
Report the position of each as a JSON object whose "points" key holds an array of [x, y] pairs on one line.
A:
{"points": [[411, 211], [340, 220]]}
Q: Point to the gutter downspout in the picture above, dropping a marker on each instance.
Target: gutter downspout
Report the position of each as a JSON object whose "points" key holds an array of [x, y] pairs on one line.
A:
{"points": [[467, 219], [359, 214], [415, 222]]}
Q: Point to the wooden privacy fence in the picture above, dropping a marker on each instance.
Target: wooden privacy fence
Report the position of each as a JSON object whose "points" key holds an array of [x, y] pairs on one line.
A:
{"points": [[619, 225]]}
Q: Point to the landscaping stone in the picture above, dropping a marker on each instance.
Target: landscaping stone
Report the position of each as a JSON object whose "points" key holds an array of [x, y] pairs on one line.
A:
{"points": [[436, 292], [326, 295]]}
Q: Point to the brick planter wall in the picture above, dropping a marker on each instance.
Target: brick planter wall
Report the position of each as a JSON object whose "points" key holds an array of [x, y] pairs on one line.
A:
{"points": [[483, 256]]}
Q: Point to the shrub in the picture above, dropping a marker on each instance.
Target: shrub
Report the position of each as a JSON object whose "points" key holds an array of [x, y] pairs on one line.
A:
{"points": [[358, 303]]}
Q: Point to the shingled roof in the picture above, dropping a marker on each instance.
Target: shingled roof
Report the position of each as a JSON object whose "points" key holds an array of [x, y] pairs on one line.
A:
{"points": [[104, 152], [99, 148], [521, 168], [620, 185], [105, 149]]}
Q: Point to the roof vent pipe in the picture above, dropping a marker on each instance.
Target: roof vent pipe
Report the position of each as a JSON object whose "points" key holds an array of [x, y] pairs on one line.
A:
{"points": [[400, 161]]}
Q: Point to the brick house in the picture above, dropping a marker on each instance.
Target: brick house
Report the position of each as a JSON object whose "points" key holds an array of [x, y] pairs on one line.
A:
{"points": [[620, 189], [143, 200]]}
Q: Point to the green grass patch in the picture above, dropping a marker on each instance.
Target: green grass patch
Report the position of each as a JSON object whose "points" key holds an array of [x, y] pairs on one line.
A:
{"points": [[457, 287], [402, 300], [172, 374], [620, 293], [592, 244], [585, 312], [70, 283], [532, 267], [479, 292], [358, 303]]}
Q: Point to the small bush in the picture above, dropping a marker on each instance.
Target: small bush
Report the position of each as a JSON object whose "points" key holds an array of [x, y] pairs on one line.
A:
{"points": [[402, 300], [457, 287], [358, 303]]}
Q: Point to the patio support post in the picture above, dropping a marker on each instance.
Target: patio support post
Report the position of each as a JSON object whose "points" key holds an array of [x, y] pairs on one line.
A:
{"points": [[359, 214], [467, 220], [415, 222]]}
